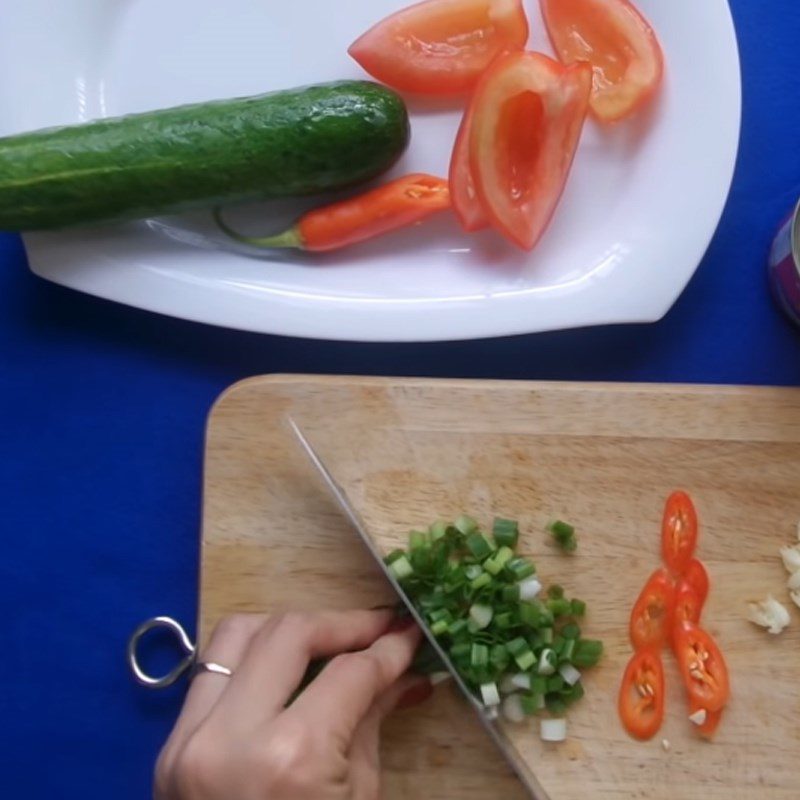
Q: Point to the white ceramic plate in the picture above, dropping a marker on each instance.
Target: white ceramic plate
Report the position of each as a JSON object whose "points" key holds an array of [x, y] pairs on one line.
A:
{"points": [[641, 206]]}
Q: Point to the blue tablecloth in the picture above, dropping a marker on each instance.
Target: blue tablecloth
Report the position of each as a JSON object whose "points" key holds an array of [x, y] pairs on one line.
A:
{"points": [[103, 410]]}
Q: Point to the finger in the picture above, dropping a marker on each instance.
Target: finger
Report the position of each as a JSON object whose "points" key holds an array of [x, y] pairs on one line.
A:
{"points": [[227, 647], [278, 657], [341, 696], [365, 751]]}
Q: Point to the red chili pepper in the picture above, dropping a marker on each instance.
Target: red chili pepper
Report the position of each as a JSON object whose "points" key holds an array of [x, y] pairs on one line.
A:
{"points": [[394, 205]]}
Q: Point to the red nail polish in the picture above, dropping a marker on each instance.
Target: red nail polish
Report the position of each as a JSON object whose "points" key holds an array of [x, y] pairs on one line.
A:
{"points": [[417, 694], [401, 624]]}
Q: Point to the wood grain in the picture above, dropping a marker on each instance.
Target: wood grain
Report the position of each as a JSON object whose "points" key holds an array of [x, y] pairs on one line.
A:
{"points": [[603, 457]]}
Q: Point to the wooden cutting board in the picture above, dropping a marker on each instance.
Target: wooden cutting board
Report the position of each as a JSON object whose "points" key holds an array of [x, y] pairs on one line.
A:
{"points": [[601, 456]]}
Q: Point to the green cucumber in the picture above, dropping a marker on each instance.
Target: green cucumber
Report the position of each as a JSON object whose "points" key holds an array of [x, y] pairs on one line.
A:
{"points": [[285, 143]]}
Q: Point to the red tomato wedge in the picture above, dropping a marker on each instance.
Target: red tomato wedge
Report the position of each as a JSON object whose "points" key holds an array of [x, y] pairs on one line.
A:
{"points": [[526, 119], [441, 46], [709, 727], [463, 195], [679, 530], [618, 42], [651, 618], [702, 666], [641, 695]]}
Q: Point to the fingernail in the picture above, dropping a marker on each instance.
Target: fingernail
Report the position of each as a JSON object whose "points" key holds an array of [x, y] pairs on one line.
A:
{"points": [[401, 624], [417, 694], [384, 607]]}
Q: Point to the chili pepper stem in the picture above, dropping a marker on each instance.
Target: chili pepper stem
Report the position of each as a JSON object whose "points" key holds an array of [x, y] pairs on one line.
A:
{"points": [[290, 238]]}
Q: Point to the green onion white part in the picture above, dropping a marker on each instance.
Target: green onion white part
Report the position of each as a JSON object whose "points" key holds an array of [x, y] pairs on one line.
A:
{"points": [[489, 694], [512, 709], [529, 589], [521, 681], [547, 662], [553, 730], [570, 675]]}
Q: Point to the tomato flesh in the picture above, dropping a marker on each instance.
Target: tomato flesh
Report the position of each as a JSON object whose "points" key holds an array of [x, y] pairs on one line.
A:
{"points": [[527, 115], [641, 695], [618, 42], [679, 530], [702, 667], [441, 46], [651, 618], [463, 194]]}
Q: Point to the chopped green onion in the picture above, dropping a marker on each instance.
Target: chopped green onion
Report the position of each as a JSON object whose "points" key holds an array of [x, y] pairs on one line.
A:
{"points": [[516, 646], [587, 652], [465, 525], [479, 546], [495, 563], [479, 655], [570, 675], [520, 568], [393, 556], [572, 694], [529, 615], [504, 620], [461, 649], [521, 653], [555, 683], [439, 627], [522, 681], [547, 635], [473, 571], [529, 589], [555, 704], [578, 608], [558, 644], [564, 535], [401, 568], [512, 709], [571, 631], [505, 532], [555, 592], [511, 593], [547, 662], [531, 703], [489, 694], [457, 627], [481, 615], [499, 657], [553, 730], [417, 539], [438, 531], [567, 650], [560, 607], [483, 580], [538, 684], [440, 614]]}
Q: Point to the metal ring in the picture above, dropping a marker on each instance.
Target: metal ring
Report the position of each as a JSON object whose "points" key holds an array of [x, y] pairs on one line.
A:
{"points": [[210, 666], [183, 666]]}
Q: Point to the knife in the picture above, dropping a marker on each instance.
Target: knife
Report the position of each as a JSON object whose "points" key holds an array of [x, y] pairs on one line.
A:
{"points": [[488, 720]]}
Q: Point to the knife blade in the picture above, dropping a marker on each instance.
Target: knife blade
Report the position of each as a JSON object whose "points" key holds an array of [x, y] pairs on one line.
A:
{"points": [[498, 736]]}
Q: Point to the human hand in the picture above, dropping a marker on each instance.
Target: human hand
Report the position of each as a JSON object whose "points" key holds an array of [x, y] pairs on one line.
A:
{"points": [[236, 739]]}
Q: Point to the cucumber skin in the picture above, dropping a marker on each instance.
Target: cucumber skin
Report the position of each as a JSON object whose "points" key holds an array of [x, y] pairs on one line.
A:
{"points": [[293, 142]]}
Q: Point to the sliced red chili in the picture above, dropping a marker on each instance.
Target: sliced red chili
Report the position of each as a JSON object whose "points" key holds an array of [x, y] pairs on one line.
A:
{"points": [[679, 532], [641, 695], [702, 667], [651, 618]]}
